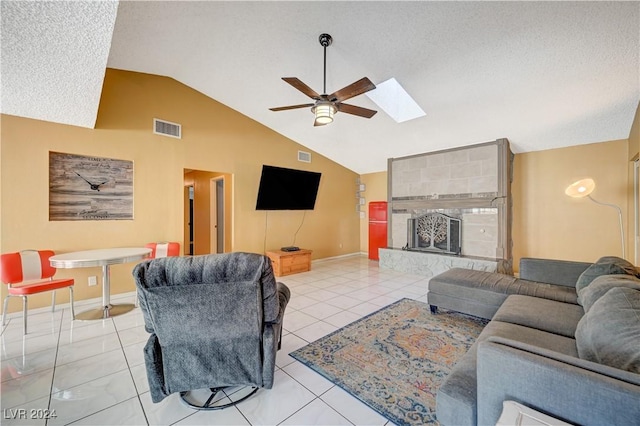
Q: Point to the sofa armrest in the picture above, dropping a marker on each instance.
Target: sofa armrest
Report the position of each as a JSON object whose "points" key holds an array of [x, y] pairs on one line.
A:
{"points": [[562, 386], [559, 272], [284, 294]]}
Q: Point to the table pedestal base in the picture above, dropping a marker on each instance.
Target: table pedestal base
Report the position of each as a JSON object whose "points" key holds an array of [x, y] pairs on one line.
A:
{"points": [[105, 312]]}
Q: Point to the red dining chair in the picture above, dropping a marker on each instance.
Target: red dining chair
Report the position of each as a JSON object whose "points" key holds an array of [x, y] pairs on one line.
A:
{"points": [[29, 272], [163, 249]]}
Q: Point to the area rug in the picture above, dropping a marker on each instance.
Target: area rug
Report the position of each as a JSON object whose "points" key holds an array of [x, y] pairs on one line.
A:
{"points": [[394, 359]]}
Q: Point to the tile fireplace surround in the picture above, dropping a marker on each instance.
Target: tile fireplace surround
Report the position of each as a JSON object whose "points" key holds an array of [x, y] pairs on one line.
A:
{"points": [[471, 183]]}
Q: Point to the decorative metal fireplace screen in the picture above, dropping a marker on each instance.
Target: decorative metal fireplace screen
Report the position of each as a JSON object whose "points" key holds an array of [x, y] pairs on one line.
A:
{"points": [[435, 232]]}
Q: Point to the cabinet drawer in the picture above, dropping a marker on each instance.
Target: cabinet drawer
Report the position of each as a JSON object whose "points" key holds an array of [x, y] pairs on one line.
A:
{"points": [[295, 260], [300, 267], [291, 265]]}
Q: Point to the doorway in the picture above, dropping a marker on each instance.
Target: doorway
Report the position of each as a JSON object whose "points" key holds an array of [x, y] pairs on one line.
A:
{"points": [[207, 212]]}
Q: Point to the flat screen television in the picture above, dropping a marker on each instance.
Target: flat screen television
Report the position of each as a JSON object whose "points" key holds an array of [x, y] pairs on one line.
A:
{"points": [[287, 189]]}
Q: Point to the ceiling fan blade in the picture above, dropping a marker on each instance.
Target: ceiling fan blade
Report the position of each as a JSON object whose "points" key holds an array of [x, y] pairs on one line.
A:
{"points": [[284, 108], [356, 110], [302, 87], [354, 89]]}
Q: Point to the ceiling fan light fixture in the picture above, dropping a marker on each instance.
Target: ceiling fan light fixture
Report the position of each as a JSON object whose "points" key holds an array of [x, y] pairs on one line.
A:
{"points": [[324, 112]]}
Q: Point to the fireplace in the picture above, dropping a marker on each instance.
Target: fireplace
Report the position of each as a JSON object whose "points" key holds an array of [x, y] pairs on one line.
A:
{"points": [[434, 232], [453, 205]]}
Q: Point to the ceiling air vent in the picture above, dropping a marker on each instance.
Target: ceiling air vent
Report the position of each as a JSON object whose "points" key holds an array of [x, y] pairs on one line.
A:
{"points": [[167, 128], [305, 157]]}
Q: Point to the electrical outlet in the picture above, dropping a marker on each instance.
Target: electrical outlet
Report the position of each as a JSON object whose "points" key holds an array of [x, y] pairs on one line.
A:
{"points": [[93, 280]]}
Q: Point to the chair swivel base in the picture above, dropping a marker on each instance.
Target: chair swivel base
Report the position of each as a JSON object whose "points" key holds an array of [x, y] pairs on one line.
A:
{"points": [[210, 403], [105, 312]]}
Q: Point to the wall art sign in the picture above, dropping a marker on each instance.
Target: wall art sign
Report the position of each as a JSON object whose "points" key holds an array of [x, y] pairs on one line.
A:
{"points": [[89, 188]]}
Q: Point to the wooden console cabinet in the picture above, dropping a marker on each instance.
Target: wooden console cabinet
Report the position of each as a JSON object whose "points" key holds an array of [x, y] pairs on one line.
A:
{"points": [[290, 262]]}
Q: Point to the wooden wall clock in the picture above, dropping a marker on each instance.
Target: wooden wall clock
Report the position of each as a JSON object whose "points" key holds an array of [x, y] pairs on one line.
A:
{"points": [[89, 188]]}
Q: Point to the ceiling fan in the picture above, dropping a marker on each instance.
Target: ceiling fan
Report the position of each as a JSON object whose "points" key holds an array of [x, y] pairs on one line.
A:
{"points": [[325, 106]]}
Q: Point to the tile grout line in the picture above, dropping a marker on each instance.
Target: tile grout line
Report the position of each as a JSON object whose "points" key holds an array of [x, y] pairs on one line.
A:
{"points": [[55, 361], [315, 397]]}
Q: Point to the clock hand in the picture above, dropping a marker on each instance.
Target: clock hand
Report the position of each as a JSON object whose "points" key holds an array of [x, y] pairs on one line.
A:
{"points": [[98, 185], [83, 178], [92, 185]]}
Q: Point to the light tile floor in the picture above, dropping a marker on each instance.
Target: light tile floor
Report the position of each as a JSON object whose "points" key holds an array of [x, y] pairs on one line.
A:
{"points": [[92, 372]]}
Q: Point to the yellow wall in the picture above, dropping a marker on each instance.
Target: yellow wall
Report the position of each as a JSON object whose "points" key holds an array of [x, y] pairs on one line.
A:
{"points": [[549, 224], [215, 138], [376, 190]]}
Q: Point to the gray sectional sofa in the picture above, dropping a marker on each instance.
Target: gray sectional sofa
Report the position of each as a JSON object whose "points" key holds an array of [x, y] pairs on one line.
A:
{"points": [[564, 339]]}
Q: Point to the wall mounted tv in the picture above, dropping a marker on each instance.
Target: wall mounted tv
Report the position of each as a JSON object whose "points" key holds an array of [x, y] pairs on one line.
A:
{"points": [[287, 189]]}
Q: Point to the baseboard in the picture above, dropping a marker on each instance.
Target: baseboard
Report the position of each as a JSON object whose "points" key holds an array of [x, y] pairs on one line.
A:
{"points": [[342, 256]]}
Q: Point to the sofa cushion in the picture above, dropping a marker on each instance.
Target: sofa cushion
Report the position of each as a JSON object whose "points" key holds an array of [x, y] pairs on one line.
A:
{"points": [[599, 286], [559, 272], [492, 287], [609, 333], [607, 265], [541, 314]]}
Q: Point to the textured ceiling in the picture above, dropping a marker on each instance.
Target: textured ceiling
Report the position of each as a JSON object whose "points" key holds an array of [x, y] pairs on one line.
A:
{"points": [[542, 74], [53, 59]]}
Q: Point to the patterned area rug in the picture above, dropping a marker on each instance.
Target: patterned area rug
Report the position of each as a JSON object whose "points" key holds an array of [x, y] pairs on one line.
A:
{"points": [[394, 359]]}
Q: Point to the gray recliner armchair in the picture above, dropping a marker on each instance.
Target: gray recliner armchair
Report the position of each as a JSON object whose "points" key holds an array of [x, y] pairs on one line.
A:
{"points": [[215, 322]]}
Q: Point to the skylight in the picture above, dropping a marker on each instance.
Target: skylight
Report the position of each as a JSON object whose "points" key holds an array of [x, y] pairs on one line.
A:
{"points": [[395, 101]]}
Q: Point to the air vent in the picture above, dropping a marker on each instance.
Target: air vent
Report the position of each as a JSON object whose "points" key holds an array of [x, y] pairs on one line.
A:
{"points": [[305, 157], [167, 128]]}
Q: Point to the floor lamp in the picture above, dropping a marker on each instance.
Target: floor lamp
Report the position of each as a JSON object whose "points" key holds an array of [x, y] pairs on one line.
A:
{"points": [[584, 188]]}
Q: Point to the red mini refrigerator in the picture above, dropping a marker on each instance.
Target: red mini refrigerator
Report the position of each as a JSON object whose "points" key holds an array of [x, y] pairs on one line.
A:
{"points": [[377, 228]]}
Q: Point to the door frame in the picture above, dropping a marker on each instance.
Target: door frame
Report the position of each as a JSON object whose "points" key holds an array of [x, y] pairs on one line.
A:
{"points": [[636, 210], [216, 216], [188, 236]]}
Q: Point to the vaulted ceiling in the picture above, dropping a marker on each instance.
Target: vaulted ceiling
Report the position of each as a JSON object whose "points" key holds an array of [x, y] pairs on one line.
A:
{"points": [[542, 74]]}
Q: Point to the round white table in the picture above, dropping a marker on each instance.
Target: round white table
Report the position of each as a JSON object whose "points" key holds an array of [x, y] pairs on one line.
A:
{"points": [[103, 258]]}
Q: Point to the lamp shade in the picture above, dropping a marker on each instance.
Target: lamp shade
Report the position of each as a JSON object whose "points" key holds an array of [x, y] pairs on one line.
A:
{"points": [[581, 188], [324, 113]]}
